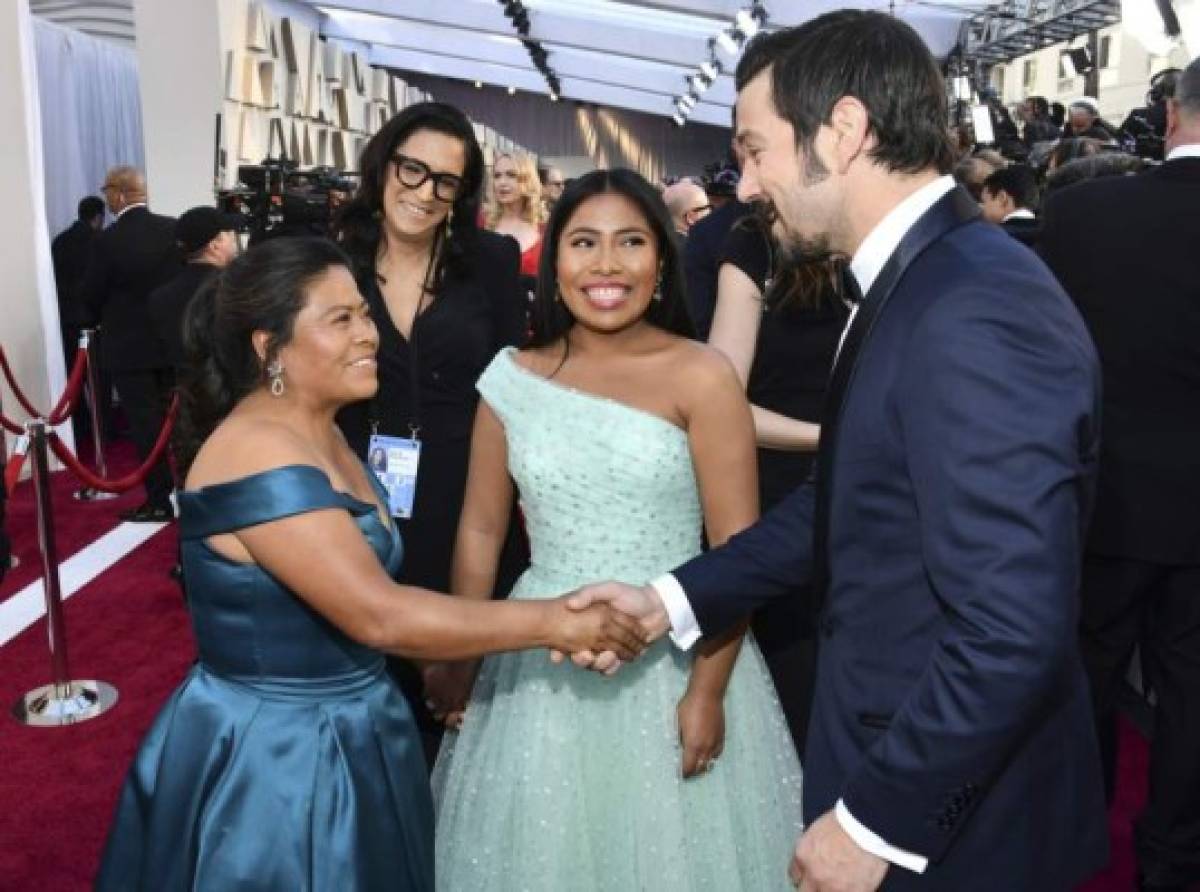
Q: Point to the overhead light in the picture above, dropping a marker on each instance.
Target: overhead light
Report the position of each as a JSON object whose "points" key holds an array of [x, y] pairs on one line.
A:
{"points": [[746, 23], [688, 101], [727, 43], [709, 70], [679, 119], [554, 97], [478, 85], [512, 91]]}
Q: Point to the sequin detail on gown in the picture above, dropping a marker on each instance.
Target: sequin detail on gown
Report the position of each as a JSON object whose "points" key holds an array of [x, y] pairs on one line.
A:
{"points": [[562, 779]]}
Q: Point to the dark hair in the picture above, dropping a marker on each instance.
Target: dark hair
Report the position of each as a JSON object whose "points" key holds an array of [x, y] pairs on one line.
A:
{"points": [[1074, 148], [1058, 113], [1041, 107], [551, 319], [358, 224], [970, 173], [1187, 88], [90, 208], [1019, 181], [873, 57], [261, 290], [1104, 164]]}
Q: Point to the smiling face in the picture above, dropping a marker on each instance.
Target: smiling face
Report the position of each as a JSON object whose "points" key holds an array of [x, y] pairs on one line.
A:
{"points": [[607, 263], [330, 359], [792, 181], [414, 214]]}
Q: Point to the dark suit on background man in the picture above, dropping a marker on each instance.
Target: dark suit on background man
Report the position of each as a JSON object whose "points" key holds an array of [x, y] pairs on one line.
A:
{"points": [[71, 250], [167, 306], [958, 449], [702, 260], [130, 259], [1125, 249]]}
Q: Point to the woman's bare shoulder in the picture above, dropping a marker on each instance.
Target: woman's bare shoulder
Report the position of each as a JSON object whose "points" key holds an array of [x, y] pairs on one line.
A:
{"points": [[245, 445]]}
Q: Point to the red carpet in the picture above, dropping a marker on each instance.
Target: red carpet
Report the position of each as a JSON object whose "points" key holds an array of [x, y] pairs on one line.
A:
{"points": [[129, 627]]}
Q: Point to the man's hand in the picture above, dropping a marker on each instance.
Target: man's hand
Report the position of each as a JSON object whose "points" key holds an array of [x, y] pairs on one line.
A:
{"points": [[828, 860], [640, 602]]}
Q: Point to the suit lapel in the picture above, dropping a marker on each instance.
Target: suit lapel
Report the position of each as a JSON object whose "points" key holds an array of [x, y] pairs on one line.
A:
{"points": [[952, 210]]}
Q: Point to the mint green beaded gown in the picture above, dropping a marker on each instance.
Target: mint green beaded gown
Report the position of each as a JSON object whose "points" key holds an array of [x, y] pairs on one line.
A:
{"points": [[562, 779]]}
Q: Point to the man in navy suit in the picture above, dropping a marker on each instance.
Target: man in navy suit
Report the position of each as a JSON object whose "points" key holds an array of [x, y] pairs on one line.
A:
{"points": [[951, 745]]}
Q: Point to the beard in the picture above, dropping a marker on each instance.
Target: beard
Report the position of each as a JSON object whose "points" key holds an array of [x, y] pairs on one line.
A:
{"points": [[794, 247]]}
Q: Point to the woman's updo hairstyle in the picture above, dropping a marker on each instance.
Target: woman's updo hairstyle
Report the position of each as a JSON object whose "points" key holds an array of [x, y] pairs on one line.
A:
{"points": [[262, 290]]}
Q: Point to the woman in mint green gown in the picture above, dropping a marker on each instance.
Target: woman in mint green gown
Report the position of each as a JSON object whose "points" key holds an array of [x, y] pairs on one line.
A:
{"points": [[626, 442], [288, 759]]}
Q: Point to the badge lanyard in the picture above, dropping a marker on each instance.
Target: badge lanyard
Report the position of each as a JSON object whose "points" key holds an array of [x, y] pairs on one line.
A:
{"points": [[396, 460]]}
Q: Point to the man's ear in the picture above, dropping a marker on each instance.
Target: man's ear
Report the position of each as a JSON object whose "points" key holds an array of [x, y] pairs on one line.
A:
{"points": [[851, 126]]}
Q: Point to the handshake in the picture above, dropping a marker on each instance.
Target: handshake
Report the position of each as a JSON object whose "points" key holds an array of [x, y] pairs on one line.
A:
{"points": [[598, 626], [630, 618]]}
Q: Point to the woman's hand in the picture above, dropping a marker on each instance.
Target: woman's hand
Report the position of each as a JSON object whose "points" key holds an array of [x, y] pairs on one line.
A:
{"points": [[597, 628], [447, 688], [701, 718]]}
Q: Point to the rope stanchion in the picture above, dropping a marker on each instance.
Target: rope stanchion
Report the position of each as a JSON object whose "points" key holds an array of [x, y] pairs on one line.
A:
{"points": [[129, 481], [63, 701], [66, 403], [70, 398], [87, 342]]}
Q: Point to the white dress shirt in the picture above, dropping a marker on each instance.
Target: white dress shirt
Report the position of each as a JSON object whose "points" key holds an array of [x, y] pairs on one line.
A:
{"points": [[1021, 214], [867, 263], [1191, 150], [129, 207]]}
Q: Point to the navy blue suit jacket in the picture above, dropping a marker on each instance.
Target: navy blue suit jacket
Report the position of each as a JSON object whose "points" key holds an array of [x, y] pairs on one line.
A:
{"points": [[943, 536]]}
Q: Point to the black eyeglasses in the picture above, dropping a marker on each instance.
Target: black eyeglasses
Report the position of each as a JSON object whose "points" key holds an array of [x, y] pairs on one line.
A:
{"points": [[413, 174]]}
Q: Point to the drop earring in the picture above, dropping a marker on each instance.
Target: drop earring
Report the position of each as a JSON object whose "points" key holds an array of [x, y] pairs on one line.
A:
{"points": [[275, 373]]}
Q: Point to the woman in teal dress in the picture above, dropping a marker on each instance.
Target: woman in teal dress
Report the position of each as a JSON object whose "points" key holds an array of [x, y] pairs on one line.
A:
{"points": [[626, 442], [287, 759]]}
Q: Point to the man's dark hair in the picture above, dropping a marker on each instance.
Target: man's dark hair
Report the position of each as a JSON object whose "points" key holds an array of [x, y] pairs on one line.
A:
{"points": [[1187, 89], [1019, 181], [1041, 107], [873, 57], [90, 208]]}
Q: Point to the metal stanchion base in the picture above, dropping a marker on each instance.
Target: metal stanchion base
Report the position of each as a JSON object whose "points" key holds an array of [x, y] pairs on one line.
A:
{"points": [[87, 494], [53, 705]]}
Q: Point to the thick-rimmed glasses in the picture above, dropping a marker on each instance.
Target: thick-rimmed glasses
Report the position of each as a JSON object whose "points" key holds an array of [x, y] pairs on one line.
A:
{"points": [[413, 173]]}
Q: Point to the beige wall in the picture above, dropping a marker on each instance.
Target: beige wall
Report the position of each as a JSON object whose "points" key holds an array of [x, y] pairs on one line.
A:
{"points": [[29, 320], [1123, 82]]}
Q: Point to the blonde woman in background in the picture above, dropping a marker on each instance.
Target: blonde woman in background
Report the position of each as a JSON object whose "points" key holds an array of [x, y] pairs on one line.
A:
{"points": [[515, 206]]}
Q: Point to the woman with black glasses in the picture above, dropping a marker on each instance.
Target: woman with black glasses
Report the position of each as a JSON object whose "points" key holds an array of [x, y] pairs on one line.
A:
{"points": [[446, 298]]}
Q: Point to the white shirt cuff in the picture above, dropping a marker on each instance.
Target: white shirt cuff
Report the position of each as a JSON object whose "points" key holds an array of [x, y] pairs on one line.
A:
{"points": [[870, 842], [685, 630]]}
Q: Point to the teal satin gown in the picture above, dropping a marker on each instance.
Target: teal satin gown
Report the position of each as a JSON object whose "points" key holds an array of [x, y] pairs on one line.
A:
{"points": [[287, 759]]}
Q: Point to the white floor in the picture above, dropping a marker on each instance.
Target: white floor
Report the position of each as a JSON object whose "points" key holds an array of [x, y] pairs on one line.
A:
{"points": [[28, 605]]}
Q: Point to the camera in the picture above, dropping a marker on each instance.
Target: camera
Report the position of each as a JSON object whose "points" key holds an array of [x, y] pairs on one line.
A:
{"points": [[276, 199]]}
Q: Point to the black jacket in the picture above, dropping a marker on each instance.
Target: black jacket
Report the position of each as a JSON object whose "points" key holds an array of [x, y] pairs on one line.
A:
{"points": [[702, 260], [71, 250], [1124, 248], [169, 302], [129, 260]]}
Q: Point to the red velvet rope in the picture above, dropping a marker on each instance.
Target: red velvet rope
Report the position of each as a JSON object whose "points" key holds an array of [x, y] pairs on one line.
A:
{"points": [[70, 398], [66, 403], [129, 481], [16, 389]]}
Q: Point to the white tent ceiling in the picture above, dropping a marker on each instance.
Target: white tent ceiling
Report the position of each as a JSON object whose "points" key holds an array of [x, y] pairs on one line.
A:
{"points": [[620, 53]]}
